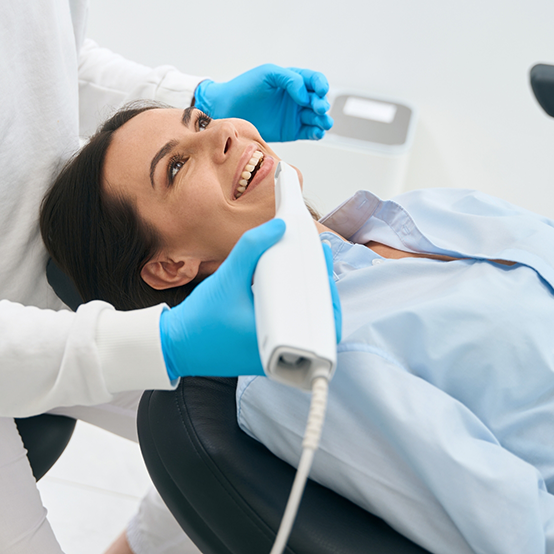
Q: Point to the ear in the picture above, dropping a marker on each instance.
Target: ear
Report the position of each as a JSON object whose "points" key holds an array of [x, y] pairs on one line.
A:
{"points": [[167, 273]]}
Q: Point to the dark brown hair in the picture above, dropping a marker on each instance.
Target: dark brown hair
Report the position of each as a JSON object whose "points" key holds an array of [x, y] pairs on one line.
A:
{"points": [[97, 239]]}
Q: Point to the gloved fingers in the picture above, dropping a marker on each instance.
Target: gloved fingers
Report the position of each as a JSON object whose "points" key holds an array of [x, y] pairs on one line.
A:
{"points": [[308, 132], [308, 117], [319, 105], [240, 264], [314, 81], [291, 82], [201, 100], [334, 293]]}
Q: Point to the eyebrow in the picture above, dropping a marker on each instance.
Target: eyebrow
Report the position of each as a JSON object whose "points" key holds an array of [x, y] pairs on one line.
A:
{"points": [[166, 148]]}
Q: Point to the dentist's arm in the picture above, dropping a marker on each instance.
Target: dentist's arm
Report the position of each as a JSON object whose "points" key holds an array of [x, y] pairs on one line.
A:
{"points": [[50, 359], [108, 80]]}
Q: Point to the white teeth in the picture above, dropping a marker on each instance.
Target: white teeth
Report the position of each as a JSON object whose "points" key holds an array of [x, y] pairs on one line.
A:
{"points": [[247, 173]]}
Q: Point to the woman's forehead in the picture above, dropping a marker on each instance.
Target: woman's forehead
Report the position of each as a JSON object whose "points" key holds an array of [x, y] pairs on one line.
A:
{"points": [[135, 143], [150, 123]]}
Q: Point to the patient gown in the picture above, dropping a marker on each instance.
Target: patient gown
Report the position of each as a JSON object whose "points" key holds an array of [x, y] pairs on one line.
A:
{"points": [[441, 412]]}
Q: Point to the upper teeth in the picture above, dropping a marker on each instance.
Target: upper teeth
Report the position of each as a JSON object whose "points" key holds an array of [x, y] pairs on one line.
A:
{"points": [[246, 175]]}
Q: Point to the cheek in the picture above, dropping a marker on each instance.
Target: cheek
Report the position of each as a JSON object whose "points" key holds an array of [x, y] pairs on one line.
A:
{"points": [[192, 198], [230, 227]]}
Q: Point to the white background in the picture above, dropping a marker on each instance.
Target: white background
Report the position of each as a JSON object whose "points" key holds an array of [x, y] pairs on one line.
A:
{"points": [[464, 65]]}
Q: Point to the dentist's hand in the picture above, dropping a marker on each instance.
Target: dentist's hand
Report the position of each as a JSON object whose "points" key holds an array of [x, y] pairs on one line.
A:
{"points": [[284, 104], [213, 331]]}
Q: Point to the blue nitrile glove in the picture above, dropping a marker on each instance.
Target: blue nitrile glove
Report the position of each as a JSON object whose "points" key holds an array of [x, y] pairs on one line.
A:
{"points": [[213, 331], [334, 292], [283, 103]]}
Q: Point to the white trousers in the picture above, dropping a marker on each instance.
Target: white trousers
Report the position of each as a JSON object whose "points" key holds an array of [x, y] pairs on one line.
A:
{"points": [[24, 528]]}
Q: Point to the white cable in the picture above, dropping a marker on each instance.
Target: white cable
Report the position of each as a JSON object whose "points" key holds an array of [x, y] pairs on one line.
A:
{"points": [[310, 443]]}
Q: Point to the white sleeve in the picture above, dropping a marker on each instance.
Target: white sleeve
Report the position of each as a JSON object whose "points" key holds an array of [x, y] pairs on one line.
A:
{"points": [[51, 359], [411, 454], [108, 80]]}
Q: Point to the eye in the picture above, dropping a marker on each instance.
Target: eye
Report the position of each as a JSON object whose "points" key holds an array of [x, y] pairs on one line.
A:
{"points": [[175, 165], [203, 121]]}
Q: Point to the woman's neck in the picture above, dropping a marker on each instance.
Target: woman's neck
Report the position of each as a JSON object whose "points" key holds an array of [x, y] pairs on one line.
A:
{"points": [[323, 229]]}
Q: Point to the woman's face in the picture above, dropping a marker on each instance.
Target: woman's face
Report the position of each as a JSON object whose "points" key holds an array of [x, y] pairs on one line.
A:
{"points": [[186, 174]]}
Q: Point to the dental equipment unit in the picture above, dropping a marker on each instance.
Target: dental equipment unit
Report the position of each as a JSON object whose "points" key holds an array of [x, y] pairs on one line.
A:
{"points": [[295, 321]]}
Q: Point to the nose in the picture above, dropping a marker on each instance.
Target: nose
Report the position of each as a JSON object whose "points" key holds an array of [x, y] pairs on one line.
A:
{"points": [[224, 137]]}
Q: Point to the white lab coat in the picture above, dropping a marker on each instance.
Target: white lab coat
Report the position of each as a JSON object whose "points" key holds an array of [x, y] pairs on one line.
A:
{"points": [[51, 358]]}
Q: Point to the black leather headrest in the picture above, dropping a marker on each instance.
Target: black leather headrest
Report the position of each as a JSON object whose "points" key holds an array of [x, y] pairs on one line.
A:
{"points": [[62, 285]]}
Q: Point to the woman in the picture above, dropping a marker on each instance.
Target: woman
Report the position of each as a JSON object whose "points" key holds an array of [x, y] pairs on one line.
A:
{"points": [[152, 241], [441, 413]]}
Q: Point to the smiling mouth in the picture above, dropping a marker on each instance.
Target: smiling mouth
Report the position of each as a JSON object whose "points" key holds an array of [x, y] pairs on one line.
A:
{"points": [[250, 169]]}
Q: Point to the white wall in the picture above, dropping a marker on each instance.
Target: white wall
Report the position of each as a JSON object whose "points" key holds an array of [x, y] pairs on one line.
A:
{"points": [[464, 65]]}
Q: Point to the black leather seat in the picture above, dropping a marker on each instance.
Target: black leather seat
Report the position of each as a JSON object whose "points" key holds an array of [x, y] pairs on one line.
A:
{"points": [[228, 492]]}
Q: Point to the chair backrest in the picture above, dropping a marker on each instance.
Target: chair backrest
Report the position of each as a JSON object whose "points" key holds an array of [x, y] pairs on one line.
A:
{"points": [[228, 492]]}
